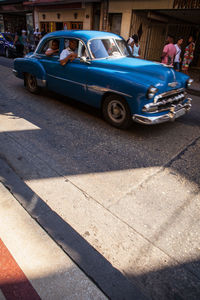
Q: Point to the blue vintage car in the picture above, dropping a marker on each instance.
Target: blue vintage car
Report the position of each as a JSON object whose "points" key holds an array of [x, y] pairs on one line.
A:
{"points": [[106, 76], [7, 47]]}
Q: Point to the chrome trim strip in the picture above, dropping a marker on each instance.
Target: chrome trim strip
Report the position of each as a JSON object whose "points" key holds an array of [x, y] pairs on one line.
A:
{"points": [[170, 116], [71, 81], [156, 98], [104, 90]]}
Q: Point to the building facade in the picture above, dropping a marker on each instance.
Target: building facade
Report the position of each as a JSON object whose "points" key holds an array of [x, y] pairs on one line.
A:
{"points": [[15, 15], [58, 15], [153, 21]]}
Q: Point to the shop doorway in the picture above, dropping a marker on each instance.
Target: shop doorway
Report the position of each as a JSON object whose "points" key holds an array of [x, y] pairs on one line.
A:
{"points": [[14, 22], [59, 26], [114, 23], [76, 25], [45, 27], [151, 33], [96, 16]]}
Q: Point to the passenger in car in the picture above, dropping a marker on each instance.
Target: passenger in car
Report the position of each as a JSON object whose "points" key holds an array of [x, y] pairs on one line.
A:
{"points": [[54, 48], [70, 53]]}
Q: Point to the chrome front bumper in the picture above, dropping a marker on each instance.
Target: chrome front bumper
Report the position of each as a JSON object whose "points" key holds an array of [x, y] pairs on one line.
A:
{"points": [[175, 112]]}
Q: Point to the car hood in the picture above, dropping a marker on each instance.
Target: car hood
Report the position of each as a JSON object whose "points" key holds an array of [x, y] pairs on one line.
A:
{"points": [[145, 72]]}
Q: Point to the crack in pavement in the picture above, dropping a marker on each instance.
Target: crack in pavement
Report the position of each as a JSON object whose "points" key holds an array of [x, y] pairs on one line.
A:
{"points": [[161, 169]]}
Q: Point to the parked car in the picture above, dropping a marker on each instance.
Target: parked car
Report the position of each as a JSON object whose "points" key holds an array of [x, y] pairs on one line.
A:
{"points": [[105, 75], [7, 47]]}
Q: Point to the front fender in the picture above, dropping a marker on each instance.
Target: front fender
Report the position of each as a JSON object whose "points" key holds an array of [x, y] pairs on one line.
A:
{"points": [[102, 81]]}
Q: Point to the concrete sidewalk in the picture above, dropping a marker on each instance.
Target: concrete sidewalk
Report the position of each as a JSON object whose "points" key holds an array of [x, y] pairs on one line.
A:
{"points": [[32, 265]]}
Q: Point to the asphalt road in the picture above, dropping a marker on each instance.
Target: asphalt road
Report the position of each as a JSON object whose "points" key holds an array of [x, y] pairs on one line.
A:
{"points": [[133, 195]]}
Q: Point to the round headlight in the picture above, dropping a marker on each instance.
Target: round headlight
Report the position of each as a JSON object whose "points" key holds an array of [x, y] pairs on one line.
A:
{"points": [[151, 92], [189, 82]]}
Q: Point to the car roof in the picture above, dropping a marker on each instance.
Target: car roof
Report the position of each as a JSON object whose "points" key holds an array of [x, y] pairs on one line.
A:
{"points": [[82, 34]]}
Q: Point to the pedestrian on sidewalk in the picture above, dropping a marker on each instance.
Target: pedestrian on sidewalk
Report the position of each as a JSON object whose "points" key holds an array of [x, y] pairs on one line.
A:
{"points": [[169, 52], [25, 42], [134, 46], [188, 55], [177, 59], [37, 36], [19, 44]]}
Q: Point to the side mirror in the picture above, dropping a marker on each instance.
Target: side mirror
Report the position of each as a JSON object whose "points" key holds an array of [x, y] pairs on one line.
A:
{"points": [[83, 59]]}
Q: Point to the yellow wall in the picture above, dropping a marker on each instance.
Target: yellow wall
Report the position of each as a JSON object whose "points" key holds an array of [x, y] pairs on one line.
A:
{"points": [[126, 8], [87, 22], [119, 6], [67, 15], [125, 25]]}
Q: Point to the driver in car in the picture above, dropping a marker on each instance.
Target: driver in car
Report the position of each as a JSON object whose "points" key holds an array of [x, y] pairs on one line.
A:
{"points": [[70, 53]]}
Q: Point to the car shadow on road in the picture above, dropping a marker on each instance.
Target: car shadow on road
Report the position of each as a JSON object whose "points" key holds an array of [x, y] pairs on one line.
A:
{"points": [[80, 142]]}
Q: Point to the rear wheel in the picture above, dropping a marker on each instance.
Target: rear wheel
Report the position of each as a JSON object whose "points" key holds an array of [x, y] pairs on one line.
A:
{"points": [[117, 112], [31, 83], [7, 53]]}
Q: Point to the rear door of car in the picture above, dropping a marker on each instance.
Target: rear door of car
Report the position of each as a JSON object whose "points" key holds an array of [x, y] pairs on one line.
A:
{"points": [[69, 80]]}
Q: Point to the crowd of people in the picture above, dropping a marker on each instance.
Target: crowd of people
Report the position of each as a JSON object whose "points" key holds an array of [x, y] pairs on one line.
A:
{"points": [[25, 43], [171, 54]]}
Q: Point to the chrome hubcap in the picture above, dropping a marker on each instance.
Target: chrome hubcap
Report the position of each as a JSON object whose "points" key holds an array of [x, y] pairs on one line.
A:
{"points": [[31, 81], [116, 111]]}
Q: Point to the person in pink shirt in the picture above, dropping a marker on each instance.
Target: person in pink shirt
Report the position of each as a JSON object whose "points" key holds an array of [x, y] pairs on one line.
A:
{"points": [[169, 52]]}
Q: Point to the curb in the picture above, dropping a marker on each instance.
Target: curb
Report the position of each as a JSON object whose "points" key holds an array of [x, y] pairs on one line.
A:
{"points": [[194, 92], [114, 284]]}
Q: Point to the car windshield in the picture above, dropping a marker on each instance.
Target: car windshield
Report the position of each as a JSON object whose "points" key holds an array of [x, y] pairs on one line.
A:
{"points": [[8, 37], [104, 48]]}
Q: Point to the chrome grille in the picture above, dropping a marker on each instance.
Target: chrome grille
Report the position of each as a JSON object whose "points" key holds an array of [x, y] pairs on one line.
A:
{"points": [[164, 101]]}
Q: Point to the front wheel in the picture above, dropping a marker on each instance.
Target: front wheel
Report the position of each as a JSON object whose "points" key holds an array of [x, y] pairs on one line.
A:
{"points": [[31, 83], [117, 112]]}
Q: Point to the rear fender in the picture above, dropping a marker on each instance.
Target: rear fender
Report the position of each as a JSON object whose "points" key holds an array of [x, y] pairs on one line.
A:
{"points": [[31, 66]]}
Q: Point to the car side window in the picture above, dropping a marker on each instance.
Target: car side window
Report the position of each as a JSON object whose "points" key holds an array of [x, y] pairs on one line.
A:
{"points": [[80, 50], [48, 45]]}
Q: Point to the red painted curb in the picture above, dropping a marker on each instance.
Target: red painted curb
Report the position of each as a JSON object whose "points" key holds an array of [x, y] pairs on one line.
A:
{"points": [[13, 282]]}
